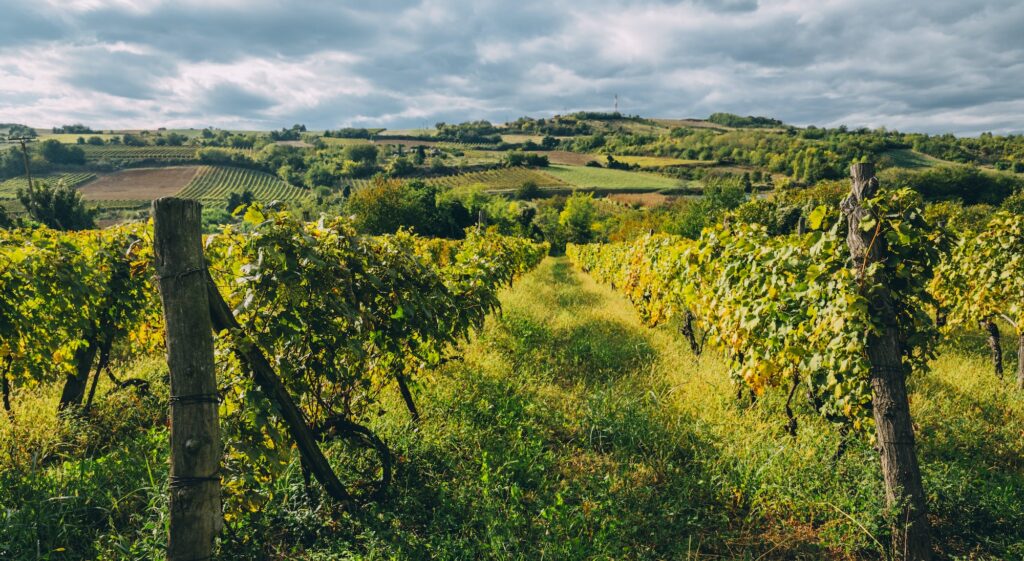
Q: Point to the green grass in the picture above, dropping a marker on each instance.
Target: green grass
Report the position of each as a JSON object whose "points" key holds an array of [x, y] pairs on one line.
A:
{"points": [[216, 183], [567, 431], [73, 138], [913, 159], [659, 161], [9, 188], [408, 132], [331, 141], [601, 178]]}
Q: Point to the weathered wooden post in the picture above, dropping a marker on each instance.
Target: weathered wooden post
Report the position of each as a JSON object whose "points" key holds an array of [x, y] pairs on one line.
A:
{"points": [[1020, 360], [195, 508], [995, 345], [903, 489]]}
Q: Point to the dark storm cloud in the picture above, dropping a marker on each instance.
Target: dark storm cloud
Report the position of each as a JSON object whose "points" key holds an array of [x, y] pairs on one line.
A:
{"points": [[235, 100], [936, 66], [121, 74]]}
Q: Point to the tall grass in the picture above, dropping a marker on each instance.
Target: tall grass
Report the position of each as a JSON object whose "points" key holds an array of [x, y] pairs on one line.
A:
{"points": [[569, 431]]}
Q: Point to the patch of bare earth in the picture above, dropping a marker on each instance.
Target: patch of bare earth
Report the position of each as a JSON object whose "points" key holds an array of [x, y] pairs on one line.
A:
{"points": [[139, 184]]}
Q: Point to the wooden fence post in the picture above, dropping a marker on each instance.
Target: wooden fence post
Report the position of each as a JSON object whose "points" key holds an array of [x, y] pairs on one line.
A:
{"points": [[895, 433], [195, 508]]}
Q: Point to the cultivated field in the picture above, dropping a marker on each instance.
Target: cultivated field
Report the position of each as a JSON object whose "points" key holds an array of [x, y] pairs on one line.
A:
{"points": [[501, 179], [658, 161], [9, 188], [139, 184], [73, 138], [520, 138], [331, 141], [218, 183], [169, 153], [601, 178]]}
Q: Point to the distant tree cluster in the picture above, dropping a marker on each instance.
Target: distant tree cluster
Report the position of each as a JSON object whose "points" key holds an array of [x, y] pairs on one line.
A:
{"points": [[294, 133], [731, 120], [526, 159], [15, 130], [472, 132], [73, 129], [62, 154], [349, 132], [555, 126]]}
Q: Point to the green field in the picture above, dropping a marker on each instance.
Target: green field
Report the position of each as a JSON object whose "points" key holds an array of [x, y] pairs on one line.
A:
{"points": [[520, 138], [500, 179], [913, 159], [9, 188], [73, 138], [408, 132], [331, 141], [118, 152], [658, 161], [217, 183], [601, 178]]}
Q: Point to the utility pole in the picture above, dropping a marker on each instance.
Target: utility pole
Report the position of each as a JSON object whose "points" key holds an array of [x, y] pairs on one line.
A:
{"points": [[23, 141]]}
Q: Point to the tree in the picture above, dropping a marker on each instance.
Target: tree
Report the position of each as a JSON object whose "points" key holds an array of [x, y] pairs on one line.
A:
{"points": [[577, 218], [528, 191], [59, 207], [236, 200], [401, 167], [361, 153], [388, 205], [57, 153], [6, 220]]}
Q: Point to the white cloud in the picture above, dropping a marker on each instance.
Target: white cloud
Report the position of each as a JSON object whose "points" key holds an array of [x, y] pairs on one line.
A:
{"points": [[942, 65]]}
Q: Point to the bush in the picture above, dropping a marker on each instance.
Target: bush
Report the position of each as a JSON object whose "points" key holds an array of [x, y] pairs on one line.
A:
{"points": [[59, 207], [386, 206], [528, 191], [526, 159]]}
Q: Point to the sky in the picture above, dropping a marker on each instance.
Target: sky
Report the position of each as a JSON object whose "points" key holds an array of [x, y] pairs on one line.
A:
{"points": [[915, 65]]}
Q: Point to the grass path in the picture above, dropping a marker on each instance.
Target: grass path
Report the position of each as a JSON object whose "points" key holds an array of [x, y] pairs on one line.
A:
{"points": [[570, 431]]}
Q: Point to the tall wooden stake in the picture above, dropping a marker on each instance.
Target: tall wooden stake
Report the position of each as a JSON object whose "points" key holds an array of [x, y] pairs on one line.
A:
{"points": [[903, 489], [195, 508]]}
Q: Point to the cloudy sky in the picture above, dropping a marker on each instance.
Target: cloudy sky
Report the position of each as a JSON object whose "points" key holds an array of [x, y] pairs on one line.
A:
{"points": [[923, 65]]}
